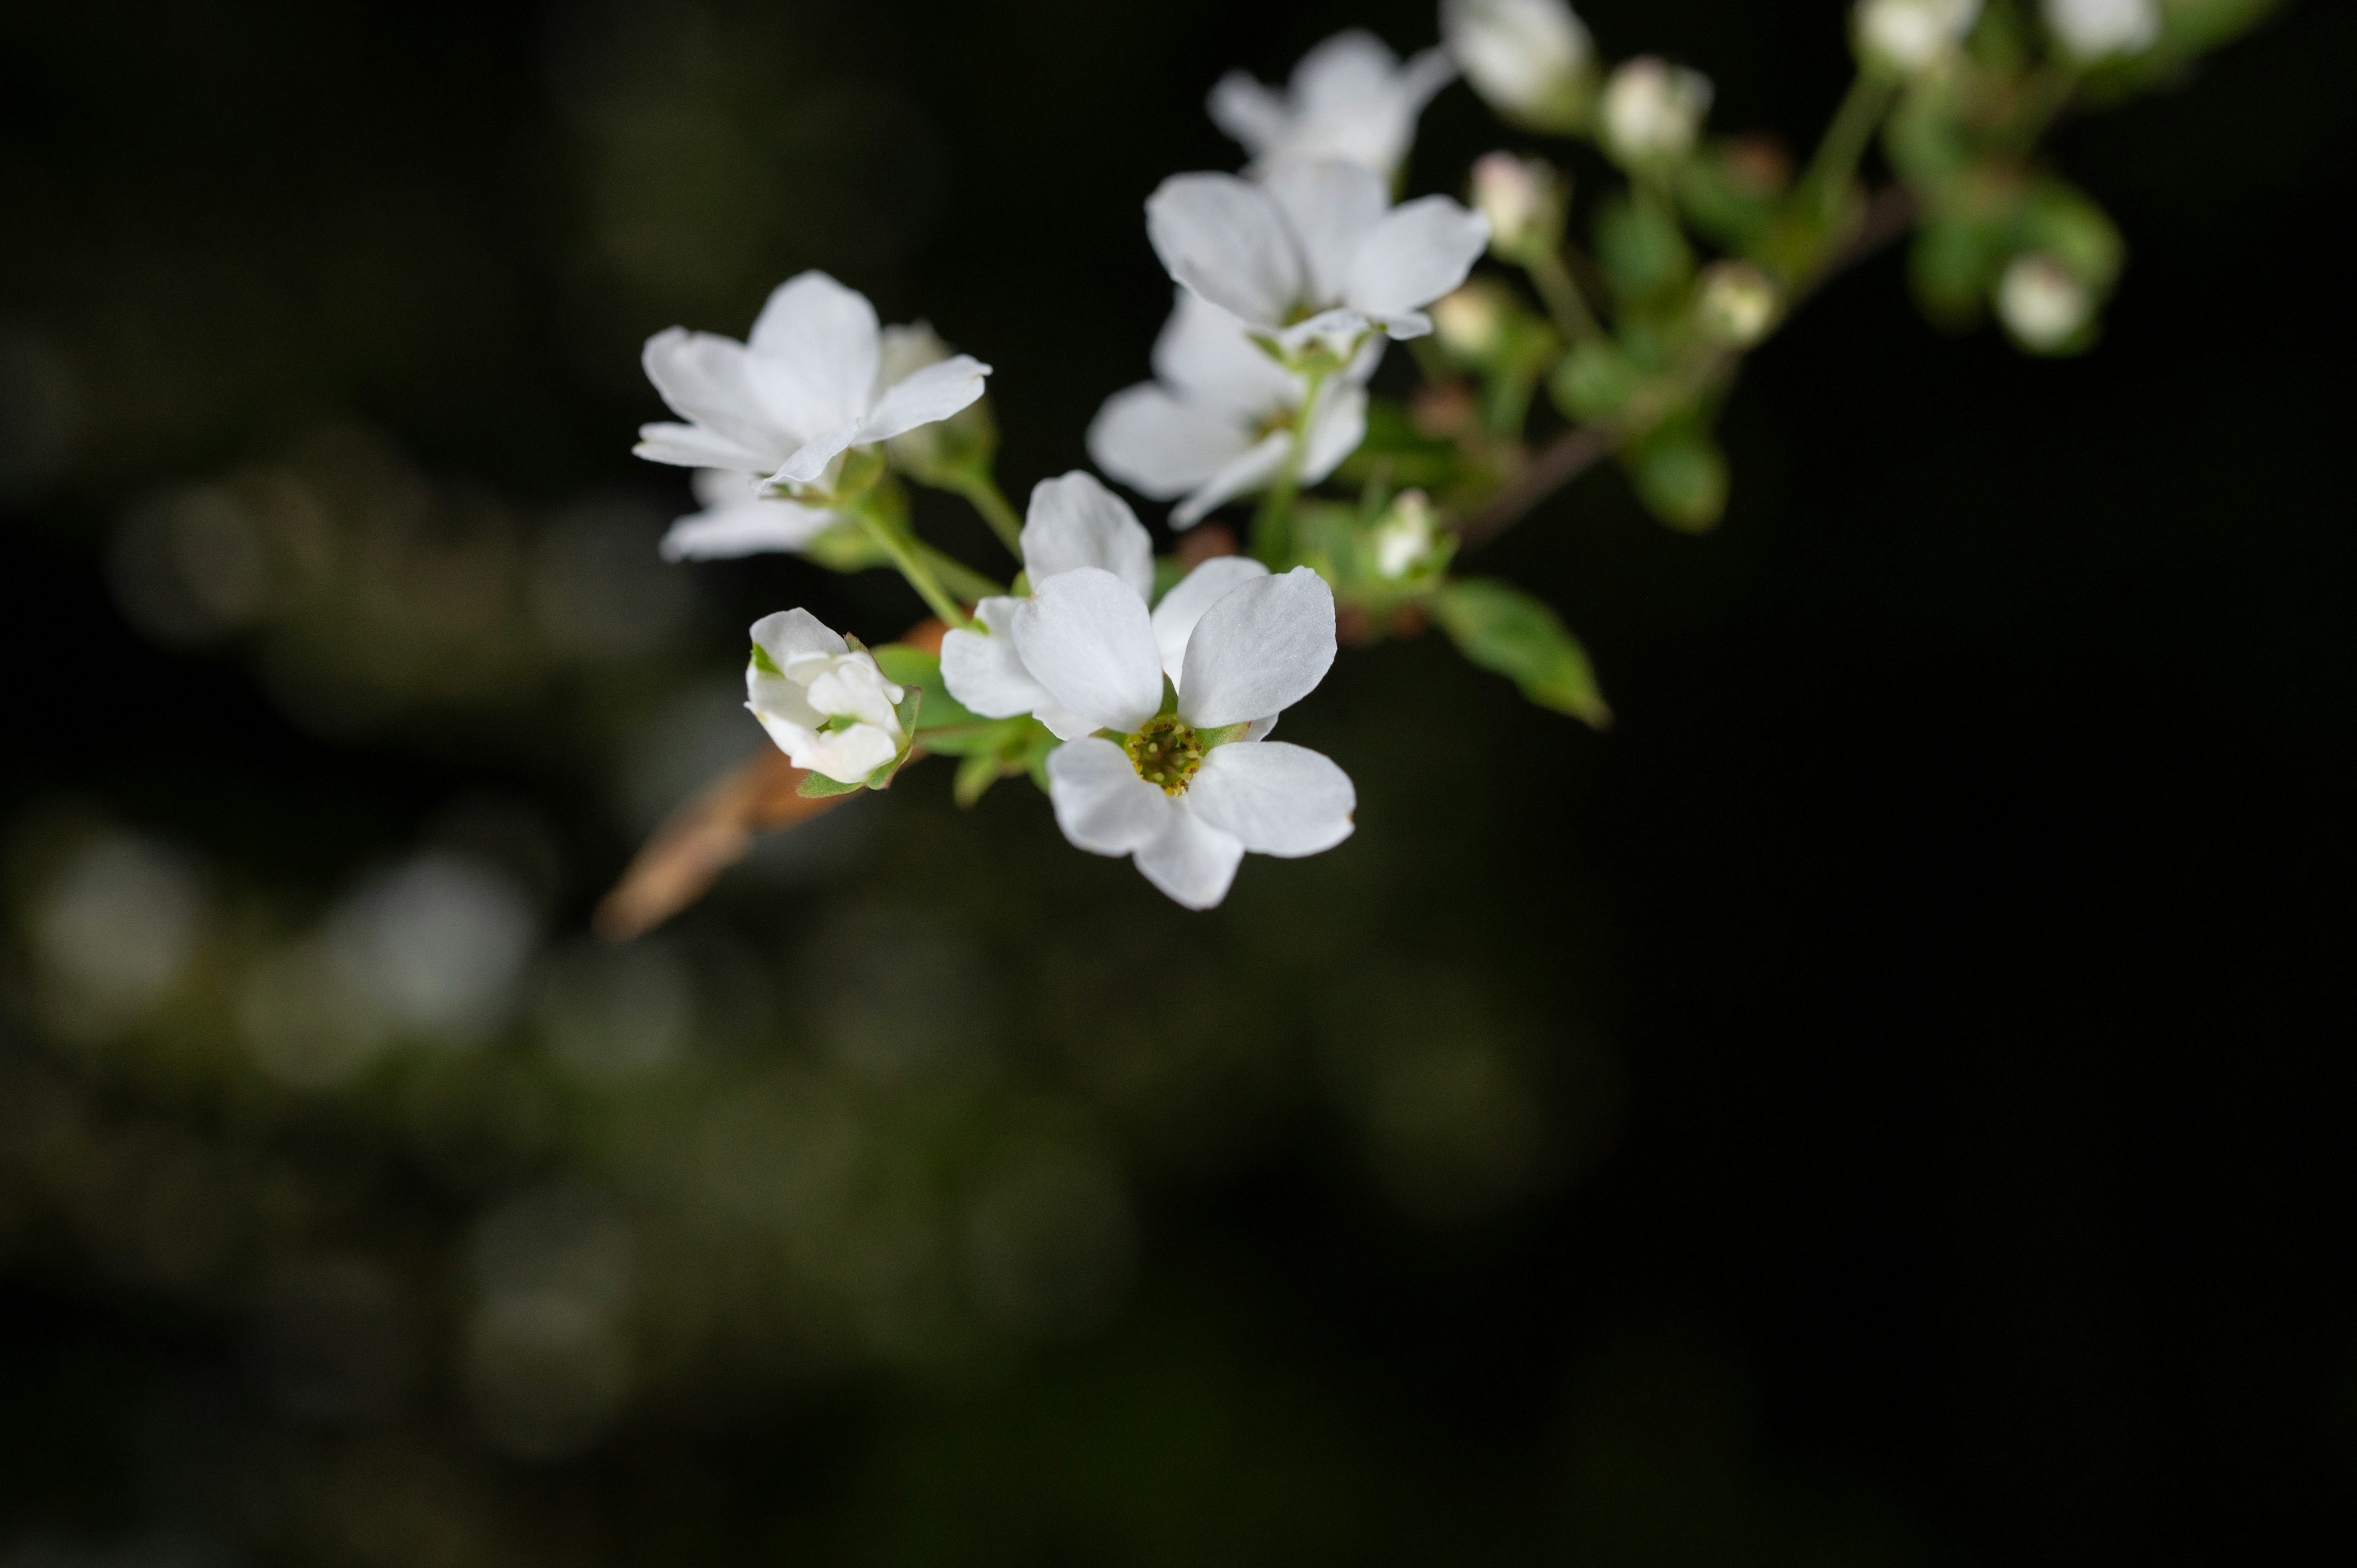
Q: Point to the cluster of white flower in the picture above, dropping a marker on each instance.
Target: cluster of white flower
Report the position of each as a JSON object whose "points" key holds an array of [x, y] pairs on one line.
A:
{"points": [[1146, 718]]}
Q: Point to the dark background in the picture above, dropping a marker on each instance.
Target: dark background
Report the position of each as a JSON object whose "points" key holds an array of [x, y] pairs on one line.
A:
{"points": [[1931, 998]]}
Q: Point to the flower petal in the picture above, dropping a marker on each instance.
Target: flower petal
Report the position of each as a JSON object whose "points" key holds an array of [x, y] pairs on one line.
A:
{"points": [[1261, 648], [693, 447], [1249, 470], [789, 634], [985, 672], [1336, 428], [1419, 252], [931, 392], [1075, 522], [1160, 444], [814, 350], [1226, 240], [710, 380], [744, 528], [1100, 803], [1251, 112], [1206, 355], [1332, 207], [1085, 636], [1190, 859], [1183, 605], [810, 459], [1275, 798]]}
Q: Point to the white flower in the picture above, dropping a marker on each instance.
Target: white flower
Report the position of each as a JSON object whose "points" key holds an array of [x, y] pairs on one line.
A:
{"points": [[2094, 29], [1216, 422], [828, 708], [739, 519], [1910, 36], [1528, 58], [1350, 98], [1523, 198], [1654, 110], [806, 388], [1736, 304], [1188, 792], [1073, 521], [1318, 253], [2042, 304], [1405, 539]]}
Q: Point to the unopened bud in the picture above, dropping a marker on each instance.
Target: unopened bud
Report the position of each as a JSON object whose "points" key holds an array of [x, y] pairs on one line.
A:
{"points": [[1470, 321], [1531, 59], [1524, 200], [1908, 36], [930, 451], [2042, 304], [1736, 304], [1404, 539], [1654, 111], [2097, 29]]}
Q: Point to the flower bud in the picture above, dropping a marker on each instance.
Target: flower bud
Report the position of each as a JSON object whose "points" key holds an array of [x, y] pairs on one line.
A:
{"points": [[2097, 29], [1404, 537], [2043, 303], [1905, 37], [1471, 321], [1531, 59], [1736, 304], [932, 452], [1654, 111], [1524, 198]]}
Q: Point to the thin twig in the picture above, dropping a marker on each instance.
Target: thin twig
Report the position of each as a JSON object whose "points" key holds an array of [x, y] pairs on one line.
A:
{"points": [[1889, 214]]}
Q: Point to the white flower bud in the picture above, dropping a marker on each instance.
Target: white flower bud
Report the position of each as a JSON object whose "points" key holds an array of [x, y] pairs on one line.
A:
{"points": [[1654, 110], [2096, 29], [826, 704], [2042, 304], [1470, 321], [1524, 201], [1737, 304], [1907, 36], [1405, 538], [1529, 58]]}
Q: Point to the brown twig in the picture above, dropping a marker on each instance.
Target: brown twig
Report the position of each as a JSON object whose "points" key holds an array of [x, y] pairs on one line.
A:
{"points": [[1889, 214]]}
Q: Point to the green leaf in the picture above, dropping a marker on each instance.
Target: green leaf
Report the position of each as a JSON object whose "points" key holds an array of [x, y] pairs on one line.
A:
{"points": [[967, 740], [975, 775], [1595, 382], [763, 662], [1681, 477], [817, 786], [918, 670], [1505, 630], [1644, 254]]}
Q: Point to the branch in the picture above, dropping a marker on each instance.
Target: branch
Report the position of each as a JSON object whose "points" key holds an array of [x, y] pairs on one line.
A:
{"points": [[1889, 214]]}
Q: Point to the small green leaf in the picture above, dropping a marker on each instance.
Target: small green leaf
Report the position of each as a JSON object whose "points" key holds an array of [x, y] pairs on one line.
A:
{"points": [[1644, 254], [1505, 630], [763, 662], [967, 740], [906, 709], [975, 775], [1681, 477], [817, 786], [1595, 381]]}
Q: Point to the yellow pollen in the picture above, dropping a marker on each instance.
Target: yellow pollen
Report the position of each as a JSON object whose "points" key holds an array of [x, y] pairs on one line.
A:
{"points": [[1165, 754]]}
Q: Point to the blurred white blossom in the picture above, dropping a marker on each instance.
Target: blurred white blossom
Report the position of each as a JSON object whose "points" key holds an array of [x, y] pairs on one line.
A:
{"points": [[2042, 304], [738, 519], [1350, 98], [828, 707], [435, 947], [1216, 422], [1652, 110], [1315, 255], [2097, 29], [808, 386], [1530, 58], [118, 925], [1406, 537], [1910, 36]]}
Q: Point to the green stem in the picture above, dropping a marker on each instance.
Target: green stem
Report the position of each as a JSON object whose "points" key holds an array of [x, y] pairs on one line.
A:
{"points": [[1272, 529], [913, 566], [1846, 139], [982, 490], [956, 575], [1565, 303]]}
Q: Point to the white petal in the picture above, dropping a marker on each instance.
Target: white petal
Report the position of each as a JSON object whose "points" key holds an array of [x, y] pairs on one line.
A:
{"points": [[985, 672], [1253, 114], [1333, 206], [810, 459], [1419, 252], [692, 447], [904, 350], [1063, 722], [1261, 648], [1100, 803], [744, 528], [1341, 329], [1075, 522], [1337, 426], [1351, 68], [816, 349], [1160, 446], [846, 755], [1183, 605], [790, 634], [932, 393], [1275, 799], [1208, 358], [1190, 859], [1085, 636], [1226, 240], [1249, 470], [710, 382]]}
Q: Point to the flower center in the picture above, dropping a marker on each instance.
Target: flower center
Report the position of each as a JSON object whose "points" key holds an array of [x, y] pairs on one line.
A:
{"points": [[1165, 754]]}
